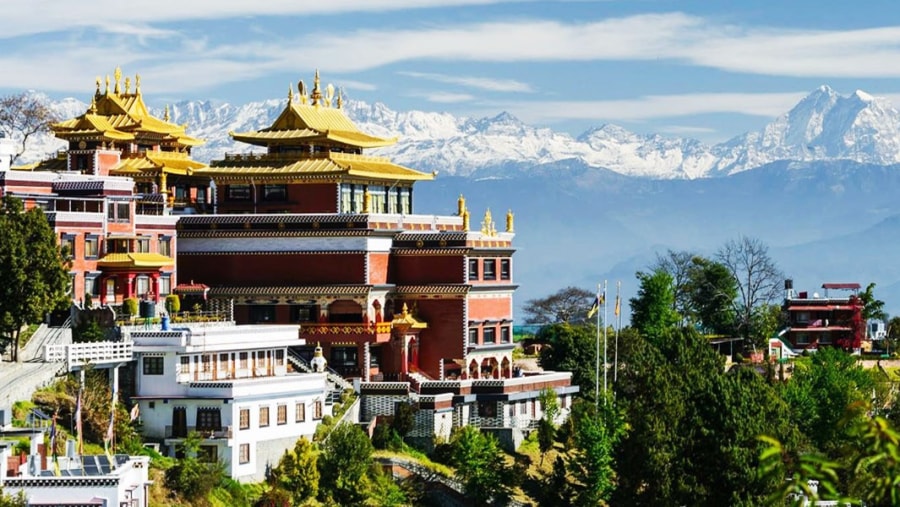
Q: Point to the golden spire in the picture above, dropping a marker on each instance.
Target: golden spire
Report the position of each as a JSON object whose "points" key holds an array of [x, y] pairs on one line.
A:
{"points": [[118, 75], [340, 99], [316, 92], [487, 224], [127, 85], [107, 84], [98, 87], [137, 84], [460, 205], [465, 215], [290, 94], [93, 108], [509, 221], [301, 87], [367, 202], [166, 114], [329, 94]]}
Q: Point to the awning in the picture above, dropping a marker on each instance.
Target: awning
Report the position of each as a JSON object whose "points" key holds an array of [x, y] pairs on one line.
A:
{"points": [[135, 260]]}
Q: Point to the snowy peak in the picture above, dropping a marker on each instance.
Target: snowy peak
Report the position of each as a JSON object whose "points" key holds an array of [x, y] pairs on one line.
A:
{"points": [[824, 125]]}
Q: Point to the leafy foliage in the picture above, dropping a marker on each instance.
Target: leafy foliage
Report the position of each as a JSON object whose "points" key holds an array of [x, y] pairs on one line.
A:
{"points": [[597, 431], [190, 477], [481, 466], [15, 500], [652, 310], [574, 349], [345, 460], [297, 475], [33, 276], [24, 115]]}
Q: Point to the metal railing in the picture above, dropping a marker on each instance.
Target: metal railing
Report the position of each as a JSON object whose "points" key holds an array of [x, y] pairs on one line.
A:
{"points": [[79, 355]]}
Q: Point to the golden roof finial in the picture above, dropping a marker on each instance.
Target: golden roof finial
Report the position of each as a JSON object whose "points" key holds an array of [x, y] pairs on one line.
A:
{"points": [[465, 216], [98, 86], [127, 85], [329, 94], [137, 84], [118, 75], [367, 202], [340, 99], [93, 108], [166, 114], [487, 223], [301, 87], [460, 205], [405, 311], [107, 84], [509, 221], [316, 92], [290, 94]]}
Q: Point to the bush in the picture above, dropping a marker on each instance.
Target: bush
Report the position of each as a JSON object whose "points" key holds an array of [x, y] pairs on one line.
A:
{"points": [[173, 304], [131, 306]]}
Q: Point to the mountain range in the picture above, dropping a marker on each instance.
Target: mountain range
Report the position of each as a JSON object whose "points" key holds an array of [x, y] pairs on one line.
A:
{"points": [[817, 185]]}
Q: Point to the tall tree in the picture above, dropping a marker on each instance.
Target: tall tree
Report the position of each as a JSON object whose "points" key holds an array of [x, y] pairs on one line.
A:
{"points": [[481, 466], [24, 115], [873, 308], [598, 428], [711, 292], [574, 349], [679, 265], [33, 275], [344, 464], [569, 305], [297, 473], [758, 279], [652, 310]]}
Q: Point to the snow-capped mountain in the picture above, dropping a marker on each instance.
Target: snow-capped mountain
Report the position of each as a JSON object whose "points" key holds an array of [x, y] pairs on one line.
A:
{"points": [[822, 126]]}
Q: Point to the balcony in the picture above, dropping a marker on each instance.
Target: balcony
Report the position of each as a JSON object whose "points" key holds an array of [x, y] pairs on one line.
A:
{"points": [[224, 432], [342, 332]]}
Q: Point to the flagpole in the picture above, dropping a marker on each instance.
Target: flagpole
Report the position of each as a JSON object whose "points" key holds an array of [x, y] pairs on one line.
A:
{"points": [[617, 312], [597, 375], [605, 363]]}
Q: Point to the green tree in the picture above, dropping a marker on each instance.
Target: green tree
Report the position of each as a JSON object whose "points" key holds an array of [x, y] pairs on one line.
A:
{"points": [[574, 349], [598, 429], [24, 115], [757, 276], [873, 308], [712, 291], [15, 500], [569, 305], [191, 477], [33, 275], [297, 473], [652, 312], [343, 465], [547, 426], [173, 304], [481, 466], [404, 418], [679, 265]]}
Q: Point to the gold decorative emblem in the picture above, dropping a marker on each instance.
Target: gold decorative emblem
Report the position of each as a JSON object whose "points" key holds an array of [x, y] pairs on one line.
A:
{"points": [[316, 225], [280, 226], [350, 225], [443, 243], [246, 225], [213, 226], [420, 244], [82, 145]]}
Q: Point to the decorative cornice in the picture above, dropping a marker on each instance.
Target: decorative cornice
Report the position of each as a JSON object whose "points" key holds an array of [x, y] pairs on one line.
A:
{"points": [[273, 252]]}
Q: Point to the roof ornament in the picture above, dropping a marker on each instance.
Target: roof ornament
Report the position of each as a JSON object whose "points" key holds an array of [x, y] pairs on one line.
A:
{"points": [[340, 98], [301, 87], [290, 94], [118, 75], [460, 205], [93, 108], [329, 94], [107, 85], [137, 84], [166, 114], [127, 85], [509, 221], [316, 92], [97, 94], [487, 225], [465, 216]]}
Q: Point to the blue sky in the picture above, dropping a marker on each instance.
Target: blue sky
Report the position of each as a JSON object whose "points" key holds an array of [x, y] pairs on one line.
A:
{"points": [[704, 69]]}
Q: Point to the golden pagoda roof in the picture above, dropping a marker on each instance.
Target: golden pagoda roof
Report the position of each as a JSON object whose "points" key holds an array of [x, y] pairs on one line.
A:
{"points": [[293, 169], [156, 162], [117, 116], [405, 319], [135, 260], [312, 119]]}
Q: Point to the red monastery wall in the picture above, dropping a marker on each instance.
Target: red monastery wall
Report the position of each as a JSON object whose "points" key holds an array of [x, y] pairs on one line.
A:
{"points": [[445, 334], [490, 309], [272, 269], [378, 268], [414, 270]]}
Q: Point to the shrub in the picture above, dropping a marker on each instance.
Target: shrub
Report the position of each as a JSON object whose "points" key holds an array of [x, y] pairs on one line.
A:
{"points": [[131, 306], [173, 304]]}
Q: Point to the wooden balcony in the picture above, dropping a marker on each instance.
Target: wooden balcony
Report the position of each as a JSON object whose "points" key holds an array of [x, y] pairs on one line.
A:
{"points": [[379, 332]]}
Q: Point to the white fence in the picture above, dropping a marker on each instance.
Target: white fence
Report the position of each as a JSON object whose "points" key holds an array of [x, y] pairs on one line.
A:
{"points": [[99, 354]]}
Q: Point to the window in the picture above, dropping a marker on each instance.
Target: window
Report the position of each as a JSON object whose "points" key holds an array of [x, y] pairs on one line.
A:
{"points": [[185, 364], [279, 357], [67, 246], [473, 269], [393, 198], [118, 211], [505, 273], [274, 192], [490, 269], [487, 409], [490, 335], [243, 359], [238, 193], [344, 357], [245, 418], [143, 244], [244, 454], [282, 414], [72, 285], [473, 335], [92, 284], [802, 338], [209, 419], [406, 201], [346, 198], [165, 285], [142, 285], [317, 410], [153, 365], [300, 412], [504, 334], [164, 246], [263, 417], [262, 313], [91, 247], [111, 289], [358, 196], [377, 199], [304, 313], [208, 453]]}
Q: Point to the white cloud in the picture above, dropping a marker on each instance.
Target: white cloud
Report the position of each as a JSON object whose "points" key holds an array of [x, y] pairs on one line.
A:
{"points": [[655, 106], [481, 83], [446, 97]]}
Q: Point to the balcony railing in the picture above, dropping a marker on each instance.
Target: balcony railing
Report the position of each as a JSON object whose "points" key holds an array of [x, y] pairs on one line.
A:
{"points": [[208, 434], [380, 331]]}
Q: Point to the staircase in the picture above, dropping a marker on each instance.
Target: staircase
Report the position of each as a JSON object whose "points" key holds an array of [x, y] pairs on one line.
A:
{"points": [[338, 383]]}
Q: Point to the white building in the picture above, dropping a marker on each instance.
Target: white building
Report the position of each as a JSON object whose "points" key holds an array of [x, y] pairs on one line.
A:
{"points": [[233, 385], [81, 480]]}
